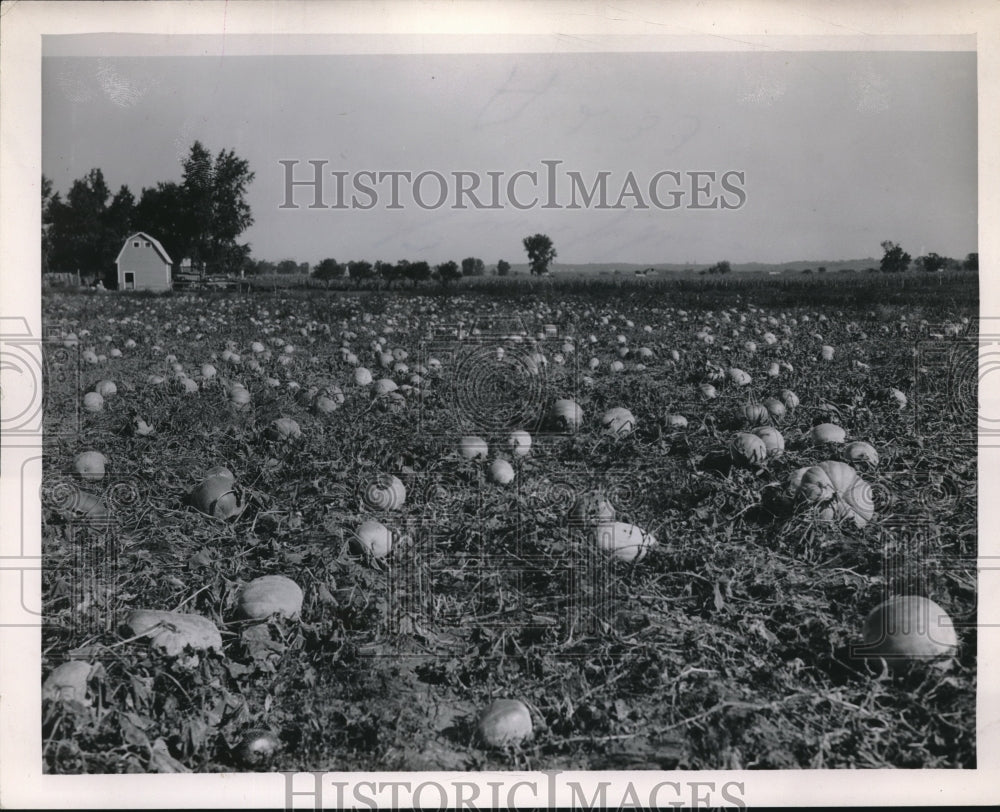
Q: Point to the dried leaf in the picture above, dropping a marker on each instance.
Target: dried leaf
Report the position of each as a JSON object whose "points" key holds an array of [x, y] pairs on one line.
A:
{"points": [[162, 762]]}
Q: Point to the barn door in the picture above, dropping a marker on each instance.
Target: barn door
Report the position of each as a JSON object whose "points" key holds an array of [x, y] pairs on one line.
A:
{"points": [[129, 280]]}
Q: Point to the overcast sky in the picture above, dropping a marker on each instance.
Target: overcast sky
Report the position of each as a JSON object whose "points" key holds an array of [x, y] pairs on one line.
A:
{"points": [[838, 151]]}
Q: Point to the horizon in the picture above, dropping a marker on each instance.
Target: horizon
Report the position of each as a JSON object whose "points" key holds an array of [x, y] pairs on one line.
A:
{"points": [[814, 153]]}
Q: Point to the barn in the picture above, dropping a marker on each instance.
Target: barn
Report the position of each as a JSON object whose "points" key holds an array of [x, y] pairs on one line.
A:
{"points": [[143, 264]]}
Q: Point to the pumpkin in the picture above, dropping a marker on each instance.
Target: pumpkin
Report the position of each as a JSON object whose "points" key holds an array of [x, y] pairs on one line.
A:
{"points": [[324, 404], [68, 682], [826, 352], [239, 395], [775, 408], [501, 472], [790, 399], [386, 492], [106, 389], [90, 464], [142, 428], [592, 508], [676, 421], [383, 386], [208, 371], [172, 632], [837, 489], [372, 538], [257, 748], [362, 376], [520, 443], [827, 433], [754, 414], [772, 438], [221, 471], [270, 595], [471, 448], [93, 402], [83, 505], [283, 429], [708, 391], [216, 495], [623, 540], [907, 628], [504, 722], [738, 376], [618, 422], [748, 449], [566, 415], [861, 452]]}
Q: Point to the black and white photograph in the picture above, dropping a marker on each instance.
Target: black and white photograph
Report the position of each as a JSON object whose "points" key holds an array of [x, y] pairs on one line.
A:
{"points": [[559, 405]]}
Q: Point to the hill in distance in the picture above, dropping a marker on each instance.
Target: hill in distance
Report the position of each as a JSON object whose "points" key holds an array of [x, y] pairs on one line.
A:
{"points": [[609, 268]]}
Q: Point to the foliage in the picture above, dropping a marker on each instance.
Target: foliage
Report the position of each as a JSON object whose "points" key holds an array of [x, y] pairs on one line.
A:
{"points": [[416, 272], [84, 233], [931, 263], [503, 268], [472, 266], [541, 252], [447, 272], [360, 270], [895, 259], [214, 193]]}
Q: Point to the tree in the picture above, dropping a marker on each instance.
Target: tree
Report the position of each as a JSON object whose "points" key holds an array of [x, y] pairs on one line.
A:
{"points": [[327, 270], [259, 267], [503, 267], [931, 262], [895, 259], [471, 266], [50, 201], [540, 253], [416, 272], [447, 272], [161, 213], [214, 194], [389, 272], [359, 270], [720, 268], [971, 262], [76, 231], [288, 266], [118, 224]]}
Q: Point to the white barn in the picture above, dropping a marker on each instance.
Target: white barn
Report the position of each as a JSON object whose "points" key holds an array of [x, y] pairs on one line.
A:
{"points": [[143, 264]]}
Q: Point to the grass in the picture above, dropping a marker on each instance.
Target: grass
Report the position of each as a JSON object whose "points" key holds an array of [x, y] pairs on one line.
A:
{"points": [[724, 648]]}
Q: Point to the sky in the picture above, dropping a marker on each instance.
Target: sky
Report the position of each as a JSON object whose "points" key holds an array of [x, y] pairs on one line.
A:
{"points": [[827, 153]]}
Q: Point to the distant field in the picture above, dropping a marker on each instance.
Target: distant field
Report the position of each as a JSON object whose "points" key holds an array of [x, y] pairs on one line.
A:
{"points": [[958, 289]]}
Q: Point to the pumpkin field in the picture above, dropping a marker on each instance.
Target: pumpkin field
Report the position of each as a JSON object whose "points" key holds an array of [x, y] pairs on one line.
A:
{"points": [[638, 528]]}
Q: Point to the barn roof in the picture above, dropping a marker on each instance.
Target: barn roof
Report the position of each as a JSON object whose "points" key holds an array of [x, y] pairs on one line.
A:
{"points": [[153, 241]]}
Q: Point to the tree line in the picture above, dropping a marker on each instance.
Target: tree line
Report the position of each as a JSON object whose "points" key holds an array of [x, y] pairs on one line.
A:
{"points": [[539, 248], [201, 218], [896, 260]]}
